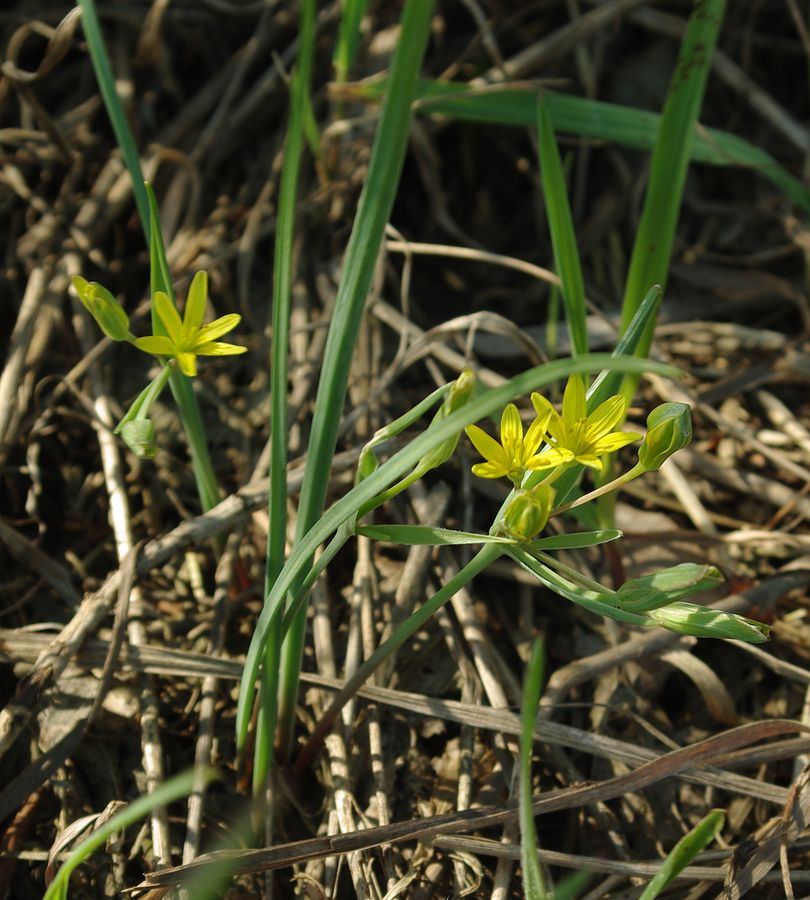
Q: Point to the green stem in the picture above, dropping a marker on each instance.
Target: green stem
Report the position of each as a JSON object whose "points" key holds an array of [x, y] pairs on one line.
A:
{"points": [[637, 470], [155, 390]]}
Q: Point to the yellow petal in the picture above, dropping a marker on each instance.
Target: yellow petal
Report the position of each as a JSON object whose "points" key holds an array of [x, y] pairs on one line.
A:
{"points": [[615, 441], [535, 434], [542, 406], [168, 316], [554, 424], [511, 432], [218, 327], [591, 460], [605, 417], [573, 405], [488, 447], [158, 344], [187, 363], [195, 303], [549, 459], [489, 470], [218, 348]]}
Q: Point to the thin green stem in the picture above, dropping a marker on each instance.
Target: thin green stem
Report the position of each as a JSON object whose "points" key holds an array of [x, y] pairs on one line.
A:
{"points": [[154, 391], [533, 884], [618, 482]]}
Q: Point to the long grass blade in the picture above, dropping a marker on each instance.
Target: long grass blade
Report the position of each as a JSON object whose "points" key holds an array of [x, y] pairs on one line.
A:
{"points": [[652, 249], [597, 119], [561, 226], [112, 103], [168, 792], [374, 209], [279, 368], [533, 884], [685, 851]]}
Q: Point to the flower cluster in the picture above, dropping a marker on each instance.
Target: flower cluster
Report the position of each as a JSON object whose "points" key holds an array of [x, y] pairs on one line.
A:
{"points": [[571, 437], [557, 441]]}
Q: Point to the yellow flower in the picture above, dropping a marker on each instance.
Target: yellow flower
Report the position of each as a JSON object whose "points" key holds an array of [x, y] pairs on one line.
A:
{"points": [[585, 437], [516, 453], [187, 339]]}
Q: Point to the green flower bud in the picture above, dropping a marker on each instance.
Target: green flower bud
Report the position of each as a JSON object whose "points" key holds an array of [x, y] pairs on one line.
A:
{"points": [[104, 308], [458, 394], [367, 463], [139, 436], [640, 595], [528, 512], [700, 621], [669, 428]]}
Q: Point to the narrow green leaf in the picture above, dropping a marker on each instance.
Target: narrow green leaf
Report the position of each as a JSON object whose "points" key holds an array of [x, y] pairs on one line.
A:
{"points": [[577, 540], [168, 792], [685, 851], [425, 535], [374, 209], [652, 248], [348, 39], [279, 367], [115, 110], [561, 227], [635, 128], [533, 884]]}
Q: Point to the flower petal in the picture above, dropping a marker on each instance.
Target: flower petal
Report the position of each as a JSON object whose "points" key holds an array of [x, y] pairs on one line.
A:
{"points": [[542, 406], [187, 363], [219, 348], [195, 303], [591, 460], [535, 434], [511, 432], [554, 425], [158, 344], [218, 327], [573, 405], [605, 417], [489, 470], [549, 459], [168, 316], [614, 441], [488, 447]]}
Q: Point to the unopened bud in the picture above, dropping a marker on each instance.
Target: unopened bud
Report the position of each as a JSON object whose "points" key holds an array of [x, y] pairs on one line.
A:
{"points": [[457, 395], [700, 621], [528, 512], [139, 436], [104, 308], [675, 583], [669, 428], [367, 463]]}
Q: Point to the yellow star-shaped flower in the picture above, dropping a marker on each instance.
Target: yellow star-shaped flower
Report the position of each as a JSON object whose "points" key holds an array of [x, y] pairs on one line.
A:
{"points": [[516, 453], [187, 339], [587, 438]]}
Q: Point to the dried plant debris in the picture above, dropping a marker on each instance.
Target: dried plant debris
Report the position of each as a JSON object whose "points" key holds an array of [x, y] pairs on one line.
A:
{"points": [[130, 595]]}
